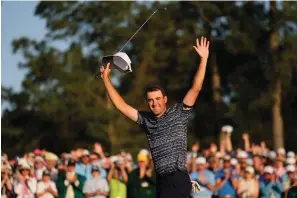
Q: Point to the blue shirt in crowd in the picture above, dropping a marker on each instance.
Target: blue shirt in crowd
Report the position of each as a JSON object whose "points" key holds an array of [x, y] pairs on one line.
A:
{"points": [[87, 171], [270, 189], [205, 192], [227, 188]]}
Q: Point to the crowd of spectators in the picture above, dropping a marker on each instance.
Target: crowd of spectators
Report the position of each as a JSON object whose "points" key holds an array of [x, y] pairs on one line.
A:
{"points": [[222, 172]]}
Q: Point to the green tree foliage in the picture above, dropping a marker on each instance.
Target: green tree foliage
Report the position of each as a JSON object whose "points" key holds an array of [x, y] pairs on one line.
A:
{"points": [[62, 106]]}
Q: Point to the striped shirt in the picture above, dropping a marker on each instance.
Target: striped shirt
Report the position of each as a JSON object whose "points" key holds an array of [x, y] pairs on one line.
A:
{"points": [[167, 138]]}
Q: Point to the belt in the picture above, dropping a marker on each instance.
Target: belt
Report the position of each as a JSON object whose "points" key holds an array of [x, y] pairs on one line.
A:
{"points": [[226, 196]]}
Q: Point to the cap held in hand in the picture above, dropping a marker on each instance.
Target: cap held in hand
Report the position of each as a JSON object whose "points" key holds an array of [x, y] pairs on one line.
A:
{"points": [[120, 61]]}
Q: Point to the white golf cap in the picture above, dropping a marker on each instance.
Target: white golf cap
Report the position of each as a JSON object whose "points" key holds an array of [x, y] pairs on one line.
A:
{"points": [[227, 128], [144, 152], [268, 169], [200, 160], [291, 154], [234, 161], [281, 151], [250, 170], [85, 152], [290, 168], [242, 154], [272, 155], [290, 160], [119, 61]]}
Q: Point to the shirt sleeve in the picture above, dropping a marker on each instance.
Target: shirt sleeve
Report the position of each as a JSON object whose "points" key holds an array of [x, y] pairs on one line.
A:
{"points": [[39, 188], [86, 188], [185, 109], [212, 180], [142, 116], [105, 186]]}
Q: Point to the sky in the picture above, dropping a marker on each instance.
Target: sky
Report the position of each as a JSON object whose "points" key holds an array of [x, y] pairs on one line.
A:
{"points": [[17, 20]]}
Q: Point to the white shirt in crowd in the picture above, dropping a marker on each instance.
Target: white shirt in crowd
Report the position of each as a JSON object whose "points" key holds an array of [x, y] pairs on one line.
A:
{"points": [[24, 190], [95, 184], [41, 187]]}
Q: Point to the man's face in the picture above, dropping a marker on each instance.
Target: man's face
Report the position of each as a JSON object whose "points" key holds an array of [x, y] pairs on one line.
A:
{"points": [[85, 159], [156, 102], [46, 178], [25, 172], [291, 175], [95, 173], [142, 164], [51, 164], [70, 168], [38, 164], [268, 176], [200, 167], [227, 164]]}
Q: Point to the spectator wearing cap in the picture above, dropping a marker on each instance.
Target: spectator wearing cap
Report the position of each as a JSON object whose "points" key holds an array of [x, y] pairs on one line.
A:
{"points": [[204, 177], [242, 157], [258, 165], [292, 193], [270, 186], [117, 178], [248, 186], [279, 167], [281, 153], [290, 178], [142, 180], [46, 188], [39, 167], [69, 183], [51, 161], [97, 187], [6, 184], [226, 179], [84, 167], [25, 185]]}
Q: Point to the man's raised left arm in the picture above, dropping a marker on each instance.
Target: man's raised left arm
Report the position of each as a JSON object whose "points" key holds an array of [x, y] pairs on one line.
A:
{"points": [[202, 50]]}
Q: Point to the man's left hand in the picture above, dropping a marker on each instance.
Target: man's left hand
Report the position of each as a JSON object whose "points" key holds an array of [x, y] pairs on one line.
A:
{"points": [[202, 48]]}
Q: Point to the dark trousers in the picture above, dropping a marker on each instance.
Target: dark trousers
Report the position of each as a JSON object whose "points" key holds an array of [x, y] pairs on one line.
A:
{"points": [[174, 185]]}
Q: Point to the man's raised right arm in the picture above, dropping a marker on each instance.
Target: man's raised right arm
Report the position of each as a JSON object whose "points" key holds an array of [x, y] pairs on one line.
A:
{"points": [[115, 97]]}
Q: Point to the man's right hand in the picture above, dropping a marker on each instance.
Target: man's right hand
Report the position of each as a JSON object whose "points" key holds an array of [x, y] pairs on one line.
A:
{"points": [[105, 71]]}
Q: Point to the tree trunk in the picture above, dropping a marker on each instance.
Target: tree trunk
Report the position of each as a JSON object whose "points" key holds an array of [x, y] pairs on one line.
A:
{"points": [[277, 120], [215, 78]]}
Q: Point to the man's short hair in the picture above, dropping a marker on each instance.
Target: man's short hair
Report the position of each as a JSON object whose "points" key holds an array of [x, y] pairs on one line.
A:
{"points": [[152, 88]]}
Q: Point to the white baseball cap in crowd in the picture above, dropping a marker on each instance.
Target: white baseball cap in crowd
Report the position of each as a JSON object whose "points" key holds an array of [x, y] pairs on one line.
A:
{"points": [[144, 152], [85, 152], [119, 61], [250, 170], [290, 160], [281, 151], [291, 154], [227, 128], [271, 155], [242, 155], [268, 169], [234, 161], [200, 160], [291, 168]]}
